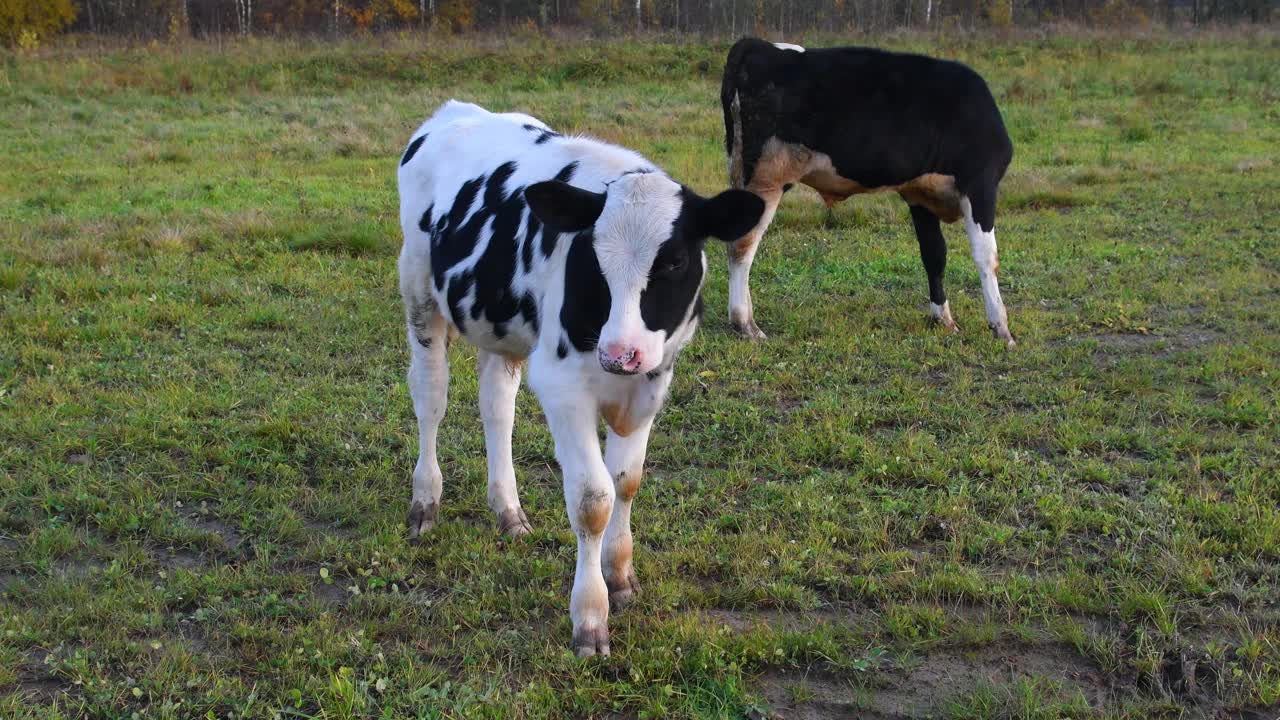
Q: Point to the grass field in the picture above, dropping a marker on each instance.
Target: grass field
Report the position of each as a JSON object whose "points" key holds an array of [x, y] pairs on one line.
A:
{"points": [[206, 441]]}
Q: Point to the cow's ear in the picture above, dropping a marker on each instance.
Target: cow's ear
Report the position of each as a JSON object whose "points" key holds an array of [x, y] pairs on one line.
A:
{"points": [[729, 215], [563, 206]]}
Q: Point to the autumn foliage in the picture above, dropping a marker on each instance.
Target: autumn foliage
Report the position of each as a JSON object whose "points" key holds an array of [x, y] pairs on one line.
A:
{"points": [[23, 23]]}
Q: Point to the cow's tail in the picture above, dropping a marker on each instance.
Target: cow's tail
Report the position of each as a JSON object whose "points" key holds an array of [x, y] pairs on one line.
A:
{"points": [[729, 87], [731, 103]]}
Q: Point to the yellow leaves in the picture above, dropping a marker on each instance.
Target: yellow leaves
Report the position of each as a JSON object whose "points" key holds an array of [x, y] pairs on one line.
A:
{"points": [[24, 22]]}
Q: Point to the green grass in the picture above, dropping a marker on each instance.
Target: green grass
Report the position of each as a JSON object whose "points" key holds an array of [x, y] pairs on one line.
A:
{"points": [[206, 442]]}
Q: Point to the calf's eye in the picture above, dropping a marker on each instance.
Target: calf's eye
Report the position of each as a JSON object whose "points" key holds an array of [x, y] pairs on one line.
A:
{"points": [[673, 265]]}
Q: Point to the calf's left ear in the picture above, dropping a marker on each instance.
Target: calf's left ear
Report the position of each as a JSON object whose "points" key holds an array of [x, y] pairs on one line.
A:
{"points": [[729, 215], [564, 206]]}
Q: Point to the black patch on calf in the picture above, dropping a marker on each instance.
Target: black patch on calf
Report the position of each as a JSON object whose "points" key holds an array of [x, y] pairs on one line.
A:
{"points": [[420, 320], [412, 150], [425, 223], [496, 268], [532, 226], [566, 172], [562, 351], [543, 134], [675, 276], [672, 294], [529, 311], [458, 288], [586, 295], [453, 241]]}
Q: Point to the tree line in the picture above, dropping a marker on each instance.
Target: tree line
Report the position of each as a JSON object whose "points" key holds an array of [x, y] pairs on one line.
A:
{"points": [[33, 20]]}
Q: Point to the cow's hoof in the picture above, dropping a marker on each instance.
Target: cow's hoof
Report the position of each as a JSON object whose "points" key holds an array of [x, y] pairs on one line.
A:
{"points": [[941, 315], [946, 323], [421, 518], [749, 330], [591, 641], [514, 523], [622, 592], [1002, 333]]}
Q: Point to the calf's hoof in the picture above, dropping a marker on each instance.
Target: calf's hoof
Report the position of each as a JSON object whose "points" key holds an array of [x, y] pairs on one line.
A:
{"points": [[749, 330], [591, 641], [514, 523], [422, 517], [622, 591]]}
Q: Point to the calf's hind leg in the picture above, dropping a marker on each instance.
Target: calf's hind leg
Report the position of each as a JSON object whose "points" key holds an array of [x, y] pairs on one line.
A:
{"points": [[429, 388], [933, 253], [499, 381]]}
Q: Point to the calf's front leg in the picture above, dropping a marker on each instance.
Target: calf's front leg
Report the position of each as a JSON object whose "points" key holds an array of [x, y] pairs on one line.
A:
{"points": [[624, 456], [588, 497]]}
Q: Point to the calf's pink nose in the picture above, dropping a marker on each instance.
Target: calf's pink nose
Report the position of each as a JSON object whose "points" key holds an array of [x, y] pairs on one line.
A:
{"points": [[620, 359]]}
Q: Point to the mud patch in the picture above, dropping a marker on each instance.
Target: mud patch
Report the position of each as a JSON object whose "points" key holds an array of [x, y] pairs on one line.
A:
{"points": [[330, 593], [77, 568], [1112, 346], [180, 559], [923, 687], [36, 679], [787, 621], [329, 529], [231, 537]]}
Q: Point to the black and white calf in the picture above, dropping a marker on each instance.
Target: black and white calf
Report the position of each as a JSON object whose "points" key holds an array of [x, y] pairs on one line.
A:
{"points": [[853, 120], [587, 261]]}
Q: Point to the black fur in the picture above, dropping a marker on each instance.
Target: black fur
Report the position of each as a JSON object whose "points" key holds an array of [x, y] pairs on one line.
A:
{"points": [[412, 150], [544, 135], [884, 118], [586, 295]]}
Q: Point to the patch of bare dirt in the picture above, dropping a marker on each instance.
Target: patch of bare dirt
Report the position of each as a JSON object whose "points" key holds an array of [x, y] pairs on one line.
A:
{"points": [[1159, 345], [180, 559], [77, 567], [231, 537], [920, 688], [36, 679], [322, 527], [782, 620], [331, 593]]}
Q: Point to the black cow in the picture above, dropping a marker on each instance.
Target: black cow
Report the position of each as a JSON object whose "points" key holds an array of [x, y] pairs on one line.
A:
{"points": [[853, 120]]}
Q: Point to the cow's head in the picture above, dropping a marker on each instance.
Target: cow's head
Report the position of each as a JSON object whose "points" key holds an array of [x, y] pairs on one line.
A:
{"points": [[635, 267]]}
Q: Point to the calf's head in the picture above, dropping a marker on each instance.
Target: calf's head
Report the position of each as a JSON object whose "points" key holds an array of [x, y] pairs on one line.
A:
{"points": [[635, 266]]}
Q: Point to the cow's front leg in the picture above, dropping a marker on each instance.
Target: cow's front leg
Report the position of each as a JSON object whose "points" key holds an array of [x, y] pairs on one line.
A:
{"points": [[980, 224], [741, 254], [624, 456], [588, 497]]}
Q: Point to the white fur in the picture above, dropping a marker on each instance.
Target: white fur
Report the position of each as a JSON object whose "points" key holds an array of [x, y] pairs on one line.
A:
{"points": [[983, 246], [465, 141], [788, 46]]}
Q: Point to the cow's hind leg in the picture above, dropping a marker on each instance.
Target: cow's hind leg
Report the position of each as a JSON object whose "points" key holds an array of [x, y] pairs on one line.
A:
{"points": [[499, 381], [933, 253], [979, 209], [741, 254], [429, 388]]}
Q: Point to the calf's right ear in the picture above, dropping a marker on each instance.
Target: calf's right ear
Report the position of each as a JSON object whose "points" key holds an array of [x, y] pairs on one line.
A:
{"points": [[563, 206], [730, 215]]}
